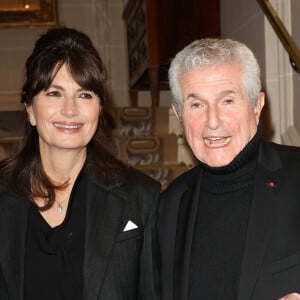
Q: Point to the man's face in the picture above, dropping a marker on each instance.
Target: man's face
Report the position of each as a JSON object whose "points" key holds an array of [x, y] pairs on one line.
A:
{"points": [[218, 119]]}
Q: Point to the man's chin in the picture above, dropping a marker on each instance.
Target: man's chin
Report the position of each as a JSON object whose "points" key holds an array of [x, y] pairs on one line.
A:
{"points": [[217, 163]]}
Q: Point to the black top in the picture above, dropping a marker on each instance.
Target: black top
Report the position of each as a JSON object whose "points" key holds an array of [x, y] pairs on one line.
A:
{"points": [[221, 226], [54, 256]]}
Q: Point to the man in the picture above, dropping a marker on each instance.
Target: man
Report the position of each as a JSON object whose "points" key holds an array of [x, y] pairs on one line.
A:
{"points": [[230, 227]]}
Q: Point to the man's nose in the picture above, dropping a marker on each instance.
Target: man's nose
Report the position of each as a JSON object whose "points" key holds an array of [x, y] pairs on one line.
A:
{"points": [[213, 117]]}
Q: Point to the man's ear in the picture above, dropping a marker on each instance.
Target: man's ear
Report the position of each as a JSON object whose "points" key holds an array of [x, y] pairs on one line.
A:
{"points": [[174, 107], [259, 106], [30, 114]]}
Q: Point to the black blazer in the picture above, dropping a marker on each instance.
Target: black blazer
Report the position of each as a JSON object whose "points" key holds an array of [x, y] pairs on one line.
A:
{"points": [[271, 261], [117, 265]]}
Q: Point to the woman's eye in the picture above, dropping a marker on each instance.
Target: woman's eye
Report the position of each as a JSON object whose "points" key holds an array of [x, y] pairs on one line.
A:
{"points": [[86, 96], [53, 94]]}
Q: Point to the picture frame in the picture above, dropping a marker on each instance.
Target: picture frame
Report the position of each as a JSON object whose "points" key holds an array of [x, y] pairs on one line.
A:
{"points": [[282, 33], [28, 13]]}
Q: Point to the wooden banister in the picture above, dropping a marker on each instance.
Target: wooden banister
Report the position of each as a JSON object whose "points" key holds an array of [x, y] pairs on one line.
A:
{"points": [[282, 33]]}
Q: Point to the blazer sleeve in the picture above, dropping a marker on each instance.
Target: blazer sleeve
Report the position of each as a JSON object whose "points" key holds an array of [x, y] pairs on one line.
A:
{"points": [[3, 289]]}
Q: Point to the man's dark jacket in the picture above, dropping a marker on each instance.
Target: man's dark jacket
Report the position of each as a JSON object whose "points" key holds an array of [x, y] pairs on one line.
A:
{"points": [[271, 259]]}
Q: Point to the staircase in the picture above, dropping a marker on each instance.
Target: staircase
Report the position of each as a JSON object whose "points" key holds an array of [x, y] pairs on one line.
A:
{"points": [[148, 138]]}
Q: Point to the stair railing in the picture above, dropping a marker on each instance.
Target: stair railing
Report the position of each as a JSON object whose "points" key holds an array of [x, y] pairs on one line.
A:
{"points": [[282, 33]]}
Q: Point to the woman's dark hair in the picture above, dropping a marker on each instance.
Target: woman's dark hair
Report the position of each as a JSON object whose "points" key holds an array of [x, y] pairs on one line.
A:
{"points": [[59, 46]]}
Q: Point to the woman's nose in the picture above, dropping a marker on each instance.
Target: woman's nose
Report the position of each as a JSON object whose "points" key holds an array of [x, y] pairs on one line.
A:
{"points": [[69, 107]]}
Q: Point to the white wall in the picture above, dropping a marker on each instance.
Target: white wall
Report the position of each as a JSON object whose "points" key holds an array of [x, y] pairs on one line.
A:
{"points": [[100, 19], [295, 9], [244, 20]]}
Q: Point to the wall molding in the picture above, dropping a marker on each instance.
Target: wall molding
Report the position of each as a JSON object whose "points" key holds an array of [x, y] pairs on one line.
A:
{"points": [[291, 136], [279, 78]]}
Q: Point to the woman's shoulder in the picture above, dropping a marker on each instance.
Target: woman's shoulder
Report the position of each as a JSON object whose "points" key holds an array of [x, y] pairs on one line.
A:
{"points": [[119, 175], [141, 193], [136, 175], [136, 181], [139, 183], [8, 196], [5, 189], [126, 180]]}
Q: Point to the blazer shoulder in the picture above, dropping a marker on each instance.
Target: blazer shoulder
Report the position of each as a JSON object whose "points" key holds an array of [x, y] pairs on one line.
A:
{"points": [[284, 149], [285, 152], [124, 177], [182, 182], [138, 185], [10, 198], [5, 190], [137, 179]]}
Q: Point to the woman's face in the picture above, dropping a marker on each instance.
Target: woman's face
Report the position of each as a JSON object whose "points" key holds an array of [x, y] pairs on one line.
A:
{"points": [[65, 115]]}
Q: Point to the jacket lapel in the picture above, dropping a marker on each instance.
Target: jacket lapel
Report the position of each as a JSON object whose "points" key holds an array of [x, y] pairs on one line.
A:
{"points": [[175, 220], [104, 210], [167, 235], [185, 230], [259, 226], [14, 211]]}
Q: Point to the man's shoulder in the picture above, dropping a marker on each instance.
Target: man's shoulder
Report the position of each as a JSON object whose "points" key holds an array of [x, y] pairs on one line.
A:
{"points": [[282, 148], [278, 156], [284, 151]]}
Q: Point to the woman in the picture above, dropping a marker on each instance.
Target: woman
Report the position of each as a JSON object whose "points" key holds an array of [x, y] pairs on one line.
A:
{"points": [[80, 223]]}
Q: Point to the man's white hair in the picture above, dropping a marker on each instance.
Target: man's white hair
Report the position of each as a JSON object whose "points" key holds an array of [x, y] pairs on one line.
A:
{"points": [[209, 52]]}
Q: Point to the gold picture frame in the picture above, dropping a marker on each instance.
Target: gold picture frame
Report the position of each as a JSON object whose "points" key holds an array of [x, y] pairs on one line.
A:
{"points": [[28, 13], [282, 33]]}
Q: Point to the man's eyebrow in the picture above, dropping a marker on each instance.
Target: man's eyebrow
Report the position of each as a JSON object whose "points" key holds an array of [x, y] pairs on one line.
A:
{"points": [[220, 95], [226, 93], [193, 95]]}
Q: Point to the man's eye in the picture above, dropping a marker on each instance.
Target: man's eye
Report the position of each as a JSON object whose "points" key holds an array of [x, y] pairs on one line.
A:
{"points": [[228, 101], [196, 105]]}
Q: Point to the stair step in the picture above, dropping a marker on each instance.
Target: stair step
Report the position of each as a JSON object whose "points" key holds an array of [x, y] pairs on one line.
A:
{"points": [[151, 149], [142, 121]]}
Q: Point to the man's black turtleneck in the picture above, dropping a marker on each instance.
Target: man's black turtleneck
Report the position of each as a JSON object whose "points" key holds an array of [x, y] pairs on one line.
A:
{"points": [[221, 225]]}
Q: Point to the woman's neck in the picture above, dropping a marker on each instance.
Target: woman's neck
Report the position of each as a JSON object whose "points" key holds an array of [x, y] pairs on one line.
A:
{"points": [[62, 166]]}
